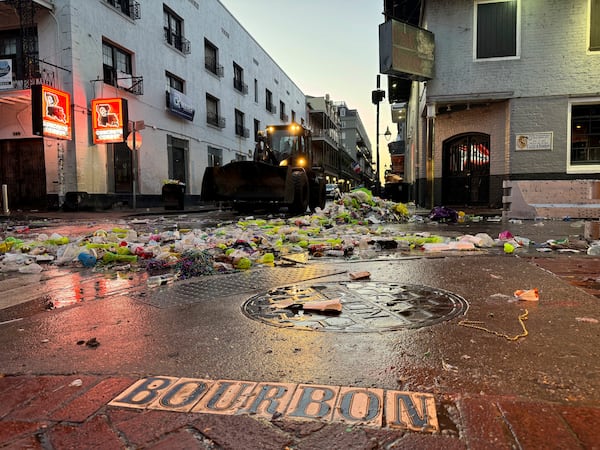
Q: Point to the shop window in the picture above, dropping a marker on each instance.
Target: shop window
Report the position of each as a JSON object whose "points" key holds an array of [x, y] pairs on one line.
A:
{"points": [[585, 134]]}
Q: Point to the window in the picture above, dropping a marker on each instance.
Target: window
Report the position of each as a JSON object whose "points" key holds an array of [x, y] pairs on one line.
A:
{"points": [[11, 48], [255, 90], [496, 29], [269, 102], [238, 79], [174, 82], [173, 26], [585, 134], [256, 129], [594, 25], [116, 62], [211, 58], [212, 112], [127, 7], [240, 129], [282, 115], [215, 157], [293, 115]]}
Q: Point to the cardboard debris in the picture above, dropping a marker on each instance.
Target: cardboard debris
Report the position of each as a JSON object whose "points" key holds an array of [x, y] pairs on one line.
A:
{"points": [[282, 304], [300, 258], [359, 275], [323, 305], [531, 295]]}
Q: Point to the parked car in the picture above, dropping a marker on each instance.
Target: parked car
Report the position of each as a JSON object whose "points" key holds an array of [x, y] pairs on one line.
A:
{"points": [[332, 191]]}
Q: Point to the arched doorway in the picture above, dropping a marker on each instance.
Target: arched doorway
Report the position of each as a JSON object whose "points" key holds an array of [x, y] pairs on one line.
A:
{"points": [[466, 169]]}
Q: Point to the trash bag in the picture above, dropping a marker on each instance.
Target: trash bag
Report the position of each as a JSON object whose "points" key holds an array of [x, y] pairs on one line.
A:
{"points": [[443, 214]]}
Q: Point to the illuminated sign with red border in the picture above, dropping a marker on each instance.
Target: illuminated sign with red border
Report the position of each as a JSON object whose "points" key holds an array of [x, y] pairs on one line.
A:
{"points": [[109, 120], [51, 112]]}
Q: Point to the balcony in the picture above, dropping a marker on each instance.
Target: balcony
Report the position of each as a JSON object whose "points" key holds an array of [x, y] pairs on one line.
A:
{"points": [[271, 108], [241, 131], [215, 120], [240, 86], [124, 81], [130, 8], [178, 41], [213, 67]]}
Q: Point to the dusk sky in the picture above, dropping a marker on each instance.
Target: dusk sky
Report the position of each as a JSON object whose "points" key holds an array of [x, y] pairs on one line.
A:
{"points": [[325, 47]]}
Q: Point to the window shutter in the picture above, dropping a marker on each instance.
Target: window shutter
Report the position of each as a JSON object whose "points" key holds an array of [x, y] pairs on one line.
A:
{"points": [[594, 25], [497, 29]]}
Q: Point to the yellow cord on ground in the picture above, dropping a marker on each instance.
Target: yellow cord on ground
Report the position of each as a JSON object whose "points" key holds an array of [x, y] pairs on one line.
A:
{"points": [[478, 326]]}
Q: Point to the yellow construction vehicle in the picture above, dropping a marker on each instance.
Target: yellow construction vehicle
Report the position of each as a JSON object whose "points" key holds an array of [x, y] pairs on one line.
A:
{"points": [[282, 173]]}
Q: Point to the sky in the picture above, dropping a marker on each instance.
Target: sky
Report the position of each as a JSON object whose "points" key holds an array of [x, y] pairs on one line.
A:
{"points": [[335, 51]]}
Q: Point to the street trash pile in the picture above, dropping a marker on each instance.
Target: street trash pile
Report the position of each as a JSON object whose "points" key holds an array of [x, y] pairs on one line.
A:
{"points": [[359, 225]]}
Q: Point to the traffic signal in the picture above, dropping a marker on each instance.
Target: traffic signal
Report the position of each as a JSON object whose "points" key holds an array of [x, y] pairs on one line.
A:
{"points": [[377, 96]]}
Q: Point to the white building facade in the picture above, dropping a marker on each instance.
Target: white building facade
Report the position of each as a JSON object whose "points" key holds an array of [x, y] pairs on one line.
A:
{"points": [[196, 84]]}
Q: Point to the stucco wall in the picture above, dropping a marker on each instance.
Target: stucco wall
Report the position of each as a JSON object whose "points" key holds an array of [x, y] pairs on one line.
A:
{"points": [[83, 26]]}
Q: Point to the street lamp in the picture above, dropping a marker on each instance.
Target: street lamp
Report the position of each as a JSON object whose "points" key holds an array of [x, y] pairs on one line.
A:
{"points": [[377, 97], [387, 134]]}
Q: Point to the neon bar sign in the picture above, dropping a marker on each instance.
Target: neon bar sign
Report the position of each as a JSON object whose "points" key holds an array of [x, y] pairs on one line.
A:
{"points": [[51, 112], [109, 120]]}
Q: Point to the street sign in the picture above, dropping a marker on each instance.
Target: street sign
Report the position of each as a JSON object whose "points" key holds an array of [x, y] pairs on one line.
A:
{"points": [[138, 140]]}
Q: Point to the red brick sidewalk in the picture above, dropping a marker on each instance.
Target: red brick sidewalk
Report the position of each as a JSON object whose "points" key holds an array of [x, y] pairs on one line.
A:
{"points": [[48, 412]]}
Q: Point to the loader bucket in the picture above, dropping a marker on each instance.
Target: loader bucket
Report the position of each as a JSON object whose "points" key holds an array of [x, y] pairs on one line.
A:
{"points": [[247, 181]]}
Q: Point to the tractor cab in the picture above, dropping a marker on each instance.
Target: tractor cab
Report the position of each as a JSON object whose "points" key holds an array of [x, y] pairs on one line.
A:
{"points": [[290, 144]]}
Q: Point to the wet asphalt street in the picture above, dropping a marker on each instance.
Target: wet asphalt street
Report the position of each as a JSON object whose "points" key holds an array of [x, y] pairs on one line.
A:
{"points": [[201, 328]]}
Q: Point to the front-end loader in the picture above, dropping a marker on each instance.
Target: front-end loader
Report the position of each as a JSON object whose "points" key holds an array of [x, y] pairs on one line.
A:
{"points": [[282, 173]]}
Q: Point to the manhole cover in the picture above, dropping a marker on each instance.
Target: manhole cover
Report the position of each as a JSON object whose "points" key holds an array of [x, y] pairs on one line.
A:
{"points": [[366, 306]]}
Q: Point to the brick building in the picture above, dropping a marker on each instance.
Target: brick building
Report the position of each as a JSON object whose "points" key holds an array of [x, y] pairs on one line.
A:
{"points": [[513, 102]]}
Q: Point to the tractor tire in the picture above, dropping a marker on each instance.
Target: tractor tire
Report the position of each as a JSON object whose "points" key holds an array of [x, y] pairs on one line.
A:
{"points": [[301, 193], [317, 196]]}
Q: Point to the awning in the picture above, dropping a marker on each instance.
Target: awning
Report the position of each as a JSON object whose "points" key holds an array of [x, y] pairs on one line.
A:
{"points": [[13, 97]]}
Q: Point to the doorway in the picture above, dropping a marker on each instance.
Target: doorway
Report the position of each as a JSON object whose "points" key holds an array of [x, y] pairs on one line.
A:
{"points": [[466, 170], [123, 168], [23, 170]]}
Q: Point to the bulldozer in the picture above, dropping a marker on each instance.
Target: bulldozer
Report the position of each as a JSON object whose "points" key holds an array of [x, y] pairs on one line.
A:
{"points": [[281, 174]]}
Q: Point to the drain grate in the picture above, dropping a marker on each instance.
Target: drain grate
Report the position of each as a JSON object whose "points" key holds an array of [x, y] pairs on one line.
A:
{"points": [[217, 286], [366, 306]]}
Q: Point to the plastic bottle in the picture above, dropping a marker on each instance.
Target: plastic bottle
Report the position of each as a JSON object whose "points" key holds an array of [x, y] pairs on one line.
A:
{"points": [[160, 280], [594, 250]]}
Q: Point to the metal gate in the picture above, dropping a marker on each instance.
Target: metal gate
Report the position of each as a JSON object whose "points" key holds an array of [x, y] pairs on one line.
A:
{"points": [[23, 170], [466, 170]]}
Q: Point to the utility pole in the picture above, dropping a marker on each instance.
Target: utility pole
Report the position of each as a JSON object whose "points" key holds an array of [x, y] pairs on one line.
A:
{"points": [[376, 97]]}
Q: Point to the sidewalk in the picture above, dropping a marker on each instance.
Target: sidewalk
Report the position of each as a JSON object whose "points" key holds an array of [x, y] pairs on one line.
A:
{"points": [[48, 412]]}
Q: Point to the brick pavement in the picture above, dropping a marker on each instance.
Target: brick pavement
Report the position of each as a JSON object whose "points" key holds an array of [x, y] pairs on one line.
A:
{"points": [[47, 412]]}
